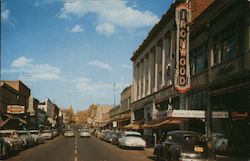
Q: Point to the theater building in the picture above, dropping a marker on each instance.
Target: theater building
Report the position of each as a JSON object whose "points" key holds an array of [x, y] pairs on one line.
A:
{"points": [[154, 66]]}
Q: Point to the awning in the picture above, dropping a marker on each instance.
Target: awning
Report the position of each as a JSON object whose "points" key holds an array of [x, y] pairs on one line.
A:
{"points": [[2, 123], [134, 126], [19, 119], [160, 122]]}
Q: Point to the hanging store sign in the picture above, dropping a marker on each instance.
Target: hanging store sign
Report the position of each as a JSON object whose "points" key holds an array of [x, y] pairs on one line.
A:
{"points": [[182, 71], [15, 109]]}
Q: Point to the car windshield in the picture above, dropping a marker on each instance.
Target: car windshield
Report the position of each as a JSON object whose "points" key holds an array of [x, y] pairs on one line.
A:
{"points": [[132, 135]]}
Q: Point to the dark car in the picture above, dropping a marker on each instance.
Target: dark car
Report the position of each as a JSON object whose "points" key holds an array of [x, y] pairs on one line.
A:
{"points": [[182, 146], [2, 147]]}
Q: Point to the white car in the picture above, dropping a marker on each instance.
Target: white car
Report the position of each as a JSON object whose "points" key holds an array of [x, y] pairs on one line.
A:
{"points": [[39, 139], [131, 139], [69, 133], [85, 133], [47, 134]]}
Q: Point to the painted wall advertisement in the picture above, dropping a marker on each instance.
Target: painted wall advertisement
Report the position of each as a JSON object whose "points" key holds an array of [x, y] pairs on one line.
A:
{"points": [[182, 71]]}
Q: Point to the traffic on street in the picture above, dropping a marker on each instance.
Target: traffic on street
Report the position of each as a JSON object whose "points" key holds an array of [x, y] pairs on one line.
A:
{"points": [[76, 148]]}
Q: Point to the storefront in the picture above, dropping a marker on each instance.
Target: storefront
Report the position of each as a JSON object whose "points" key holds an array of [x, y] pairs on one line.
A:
{"points": [[234, 128]]}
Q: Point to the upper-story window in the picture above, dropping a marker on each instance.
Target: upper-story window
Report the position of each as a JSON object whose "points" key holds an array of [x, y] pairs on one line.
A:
{"points": [[228, 43], [199, 59]]}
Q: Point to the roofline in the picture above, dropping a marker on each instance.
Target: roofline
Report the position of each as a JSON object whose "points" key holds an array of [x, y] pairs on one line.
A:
{"points": [[155, 30]]}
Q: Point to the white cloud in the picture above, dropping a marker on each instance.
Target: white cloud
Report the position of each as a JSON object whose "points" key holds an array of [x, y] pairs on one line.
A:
{"points": [[77, 28], [88, 87], [102, 65], [116, 13], [4, 12], [21, 62], [28, 71], [105, 29]]}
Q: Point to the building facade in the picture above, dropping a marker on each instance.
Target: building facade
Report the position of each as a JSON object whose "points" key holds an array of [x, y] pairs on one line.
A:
{"points": [[154, 65], [15, 103], [220, 73], [218, 97], [49, 107]]}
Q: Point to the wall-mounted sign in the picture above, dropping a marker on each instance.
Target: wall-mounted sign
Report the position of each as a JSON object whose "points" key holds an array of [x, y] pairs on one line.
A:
{"points": [[114, 123], [239, 115], [15, 109], [191, 114], [220, 115], [182, 71]]}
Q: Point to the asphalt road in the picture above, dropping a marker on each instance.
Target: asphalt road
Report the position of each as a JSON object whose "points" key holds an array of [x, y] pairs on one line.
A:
{"points": [[80, 149]]}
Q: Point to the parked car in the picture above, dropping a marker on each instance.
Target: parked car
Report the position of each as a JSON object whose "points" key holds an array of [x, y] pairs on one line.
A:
{"points": [[131, 139], [182, 145], [26, 137], [69, 133], [2, 147], [110, 136], [12, 142], [85, 133], [36, 134], [54, 132], [220, 143], [115, 137], [47, 134]]}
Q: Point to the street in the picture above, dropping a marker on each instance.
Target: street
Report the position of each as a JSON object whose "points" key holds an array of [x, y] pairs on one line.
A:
{"points": [[80, 149]]}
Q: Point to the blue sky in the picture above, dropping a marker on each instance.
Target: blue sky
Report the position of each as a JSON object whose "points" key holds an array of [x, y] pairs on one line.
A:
{"points": [[73, 51]]}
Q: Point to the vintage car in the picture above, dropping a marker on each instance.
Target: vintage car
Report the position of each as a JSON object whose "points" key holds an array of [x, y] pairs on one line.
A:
{"points": [[182, 146], [12, 141], [84, 133], [36, 134], [47, 134], [220, 143], [69, 133], [131, 139], [2, 148], [26, 137]]}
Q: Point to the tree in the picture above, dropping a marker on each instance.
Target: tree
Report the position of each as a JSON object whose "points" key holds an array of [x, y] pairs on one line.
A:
{"points": [[81, 116], [70, 114]]}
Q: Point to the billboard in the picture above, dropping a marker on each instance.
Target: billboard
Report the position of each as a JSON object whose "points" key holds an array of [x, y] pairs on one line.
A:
{"points": [[15, 109], [182, 69]]}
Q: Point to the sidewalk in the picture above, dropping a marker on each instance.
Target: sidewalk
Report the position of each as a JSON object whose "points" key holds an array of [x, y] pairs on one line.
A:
{"points": [[218, 157]]}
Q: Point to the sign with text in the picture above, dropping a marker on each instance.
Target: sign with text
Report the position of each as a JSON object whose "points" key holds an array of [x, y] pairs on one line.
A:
{"points": [[191, 114], [182, 71], [114, 123], [15, 109]]}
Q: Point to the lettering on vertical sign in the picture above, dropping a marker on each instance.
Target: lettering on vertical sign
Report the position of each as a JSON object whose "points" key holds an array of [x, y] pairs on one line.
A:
{"points": [[182, 71]]}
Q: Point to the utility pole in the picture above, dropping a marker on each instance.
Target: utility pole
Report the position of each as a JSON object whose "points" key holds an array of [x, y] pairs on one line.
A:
{"points": [[114, 94]]}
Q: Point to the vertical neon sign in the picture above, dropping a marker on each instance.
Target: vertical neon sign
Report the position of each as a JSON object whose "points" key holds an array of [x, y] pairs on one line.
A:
{"points": [[182, 71]]}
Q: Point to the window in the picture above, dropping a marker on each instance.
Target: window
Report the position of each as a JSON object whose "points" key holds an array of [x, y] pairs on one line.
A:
{"points": [[228, 43], [199, 60], [198, 100], [228, 48]]}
